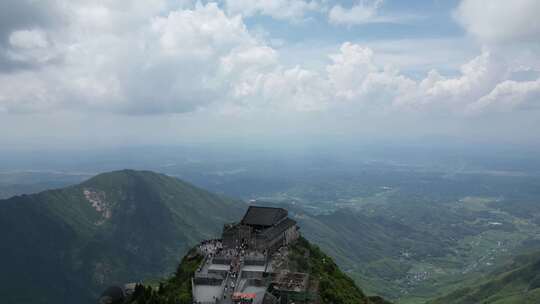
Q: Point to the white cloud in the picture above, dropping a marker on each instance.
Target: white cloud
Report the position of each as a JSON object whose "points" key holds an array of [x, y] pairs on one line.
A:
{"points": [[205, 31], [170, 63], [500, 21], [350, 69], [293, 89], [354, 81], [144, 59], [509, 95], [365, 11], [245, 66], [292, 10], [362, 12], [477, 78], [28, 39], [355, 77], [31, 47], [481, 86]]}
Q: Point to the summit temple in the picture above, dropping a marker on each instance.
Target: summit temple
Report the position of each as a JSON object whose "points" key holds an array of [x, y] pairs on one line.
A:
{"points": [[249, 263]]}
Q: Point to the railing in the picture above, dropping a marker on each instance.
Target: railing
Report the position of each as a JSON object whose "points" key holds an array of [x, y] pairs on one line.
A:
{"points": [[207, 281], [255, 261], [201, 302], [222, 260]]}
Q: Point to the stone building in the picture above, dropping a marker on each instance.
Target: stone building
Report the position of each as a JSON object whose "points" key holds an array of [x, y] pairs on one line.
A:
{"points": [[261, 228]]}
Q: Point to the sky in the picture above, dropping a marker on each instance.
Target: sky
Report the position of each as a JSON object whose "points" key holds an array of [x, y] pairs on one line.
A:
{"points": [[102, 73]]}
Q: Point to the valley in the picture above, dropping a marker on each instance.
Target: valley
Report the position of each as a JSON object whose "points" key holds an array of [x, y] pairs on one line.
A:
{"points": [[409, 232], [451, 239]]}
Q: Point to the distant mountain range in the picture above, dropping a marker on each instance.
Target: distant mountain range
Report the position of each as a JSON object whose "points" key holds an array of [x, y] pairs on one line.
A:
{"points": [[66, 245]]}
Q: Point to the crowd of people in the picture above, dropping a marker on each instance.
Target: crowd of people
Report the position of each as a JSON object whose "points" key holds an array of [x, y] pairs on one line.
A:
{"points": [[210, 247], [213, 250]]}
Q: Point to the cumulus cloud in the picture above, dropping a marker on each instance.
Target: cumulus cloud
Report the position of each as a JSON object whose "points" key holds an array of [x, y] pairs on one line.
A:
{"points": [[31, 48], [481, 85], [170, 63], [352, 80], [500, 21], [289, 89], [509, 95], [21, 24], [28, 39], [477, 78], [146, 58], [358, 82]]}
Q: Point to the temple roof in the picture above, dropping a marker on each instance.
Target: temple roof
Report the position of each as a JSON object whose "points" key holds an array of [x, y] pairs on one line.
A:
{"points": [[274, 231], [263, 216]]}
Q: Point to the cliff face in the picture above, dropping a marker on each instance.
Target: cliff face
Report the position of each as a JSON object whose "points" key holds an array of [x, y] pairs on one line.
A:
{"points": [[333, 286], [326, 283]]}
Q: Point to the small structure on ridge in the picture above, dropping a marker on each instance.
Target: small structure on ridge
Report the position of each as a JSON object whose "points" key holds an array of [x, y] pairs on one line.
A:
{"points": [[246, 266], [261, 228]]}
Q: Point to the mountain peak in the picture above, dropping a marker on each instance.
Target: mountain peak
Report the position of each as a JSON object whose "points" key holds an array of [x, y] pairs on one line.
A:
{"points": [[262, 260], [126, 174], [117, 226]]}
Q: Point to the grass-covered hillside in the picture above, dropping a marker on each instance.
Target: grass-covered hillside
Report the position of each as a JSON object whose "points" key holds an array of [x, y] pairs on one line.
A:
{"points": [[176, 289], [419, 236], [334, 286], [67, 245], [515, 283]]}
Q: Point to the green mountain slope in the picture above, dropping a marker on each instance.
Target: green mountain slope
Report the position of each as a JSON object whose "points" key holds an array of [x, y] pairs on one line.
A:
{"points": [[411, 250], [66, 245], [515, 283], [334, 286]]}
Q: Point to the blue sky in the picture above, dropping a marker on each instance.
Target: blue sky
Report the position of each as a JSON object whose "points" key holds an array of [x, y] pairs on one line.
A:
{"points": [[420, 19], [111, 72]]}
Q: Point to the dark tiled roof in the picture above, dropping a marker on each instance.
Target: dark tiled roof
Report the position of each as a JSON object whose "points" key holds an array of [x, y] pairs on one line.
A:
{"points": [[273, 232], [263, 216]]}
